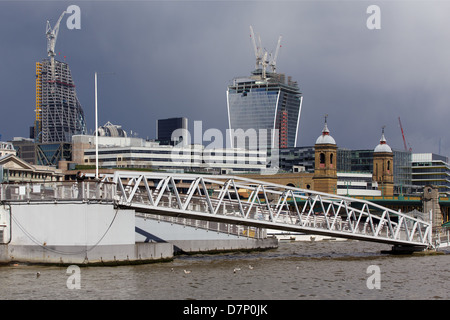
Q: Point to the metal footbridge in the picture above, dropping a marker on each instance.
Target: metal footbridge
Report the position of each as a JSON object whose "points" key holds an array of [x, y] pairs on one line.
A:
{"points": [[241, 201], [236, 201]]}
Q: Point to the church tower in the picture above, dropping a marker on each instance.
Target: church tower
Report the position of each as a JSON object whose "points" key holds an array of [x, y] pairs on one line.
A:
{"points": [[383, 167], [325, 167]]}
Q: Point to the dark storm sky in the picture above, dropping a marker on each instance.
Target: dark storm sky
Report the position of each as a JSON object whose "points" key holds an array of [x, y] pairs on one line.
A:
{"points": [[176, 58]]}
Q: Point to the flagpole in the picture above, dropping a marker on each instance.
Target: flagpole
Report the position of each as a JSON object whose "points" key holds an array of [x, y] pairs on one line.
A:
{"points": [[96, 129]]}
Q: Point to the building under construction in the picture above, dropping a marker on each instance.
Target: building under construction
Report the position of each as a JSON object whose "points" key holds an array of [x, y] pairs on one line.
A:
{"points": [[59, 114], [264, 101]]}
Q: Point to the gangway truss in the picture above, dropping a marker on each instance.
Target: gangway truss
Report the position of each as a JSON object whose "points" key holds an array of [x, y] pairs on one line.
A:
{"points": [[242, 201]]}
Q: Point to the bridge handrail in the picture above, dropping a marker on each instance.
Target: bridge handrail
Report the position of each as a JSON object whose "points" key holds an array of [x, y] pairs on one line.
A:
{"points": [[396, 225], [266, 205], [58, 190], [214, 179]]}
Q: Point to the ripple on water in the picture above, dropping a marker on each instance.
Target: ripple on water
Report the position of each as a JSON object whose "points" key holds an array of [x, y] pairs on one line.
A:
{"points": [[299, 270]]}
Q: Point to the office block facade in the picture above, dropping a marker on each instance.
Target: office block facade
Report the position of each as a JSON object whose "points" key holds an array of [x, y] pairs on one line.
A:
{"points": [[264, 102]]}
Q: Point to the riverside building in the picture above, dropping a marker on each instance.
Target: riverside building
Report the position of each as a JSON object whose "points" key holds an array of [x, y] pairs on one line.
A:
{"points": [[431, 169], [132, 152]]}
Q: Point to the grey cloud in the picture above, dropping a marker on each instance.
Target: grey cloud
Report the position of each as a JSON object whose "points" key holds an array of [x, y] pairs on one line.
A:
{"points": [[176, 59]]}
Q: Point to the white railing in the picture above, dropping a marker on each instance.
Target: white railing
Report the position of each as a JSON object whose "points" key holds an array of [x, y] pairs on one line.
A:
{"points": [[245, 231], [58, 190], [237, 201], [249, 202], [441, 237]]}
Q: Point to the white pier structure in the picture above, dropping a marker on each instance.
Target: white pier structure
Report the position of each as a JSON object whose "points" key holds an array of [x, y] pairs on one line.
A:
{"points": [[241, 201]]}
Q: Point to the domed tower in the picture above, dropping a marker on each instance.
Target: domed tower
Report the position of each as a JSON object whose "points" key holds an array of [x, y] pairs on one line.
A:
{"points": [[325, 167], [383, 167]]}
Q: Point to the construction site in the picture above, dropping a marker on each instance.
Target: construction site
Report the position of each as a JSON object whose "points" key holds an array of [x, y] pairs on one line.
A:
{"points": [[265, 101], [59, 114]]}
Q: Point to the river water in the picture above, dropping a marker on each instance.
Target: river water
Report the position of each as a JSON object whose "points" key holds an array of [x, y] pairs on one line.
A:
{"points": [[294, 271]]}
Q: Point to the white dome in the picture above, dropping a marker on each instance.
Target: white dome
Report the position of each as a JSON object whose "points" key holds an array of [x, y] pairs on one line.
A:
{"points": [[383, 146], [325, 138]]}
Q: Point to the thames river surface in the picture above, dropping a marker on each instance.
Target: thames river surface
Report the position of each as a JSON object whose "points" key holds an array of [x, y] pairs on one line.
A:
{"points": [[294, 271]]}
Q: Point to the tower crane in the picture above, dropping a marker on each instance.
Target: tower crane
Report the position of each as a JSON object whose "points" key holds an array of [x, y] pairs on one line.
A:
{"points": [[52, 35], [262, 56], [258, 50], [403, 136], [273, 63]]}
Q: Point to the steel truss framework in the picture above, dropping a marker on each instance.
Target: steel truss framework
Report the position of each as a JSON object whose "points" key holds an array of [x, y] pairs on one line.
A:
{"points": [[241, 201], [59, 114]]}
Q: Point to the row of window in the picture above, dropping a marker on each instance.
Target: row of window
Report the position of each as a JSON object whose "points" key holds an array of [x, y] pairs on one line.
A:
{"points": [[206, 152], [339, 186], [187, 160], [430, 170], [8, 173], [430, 177]]}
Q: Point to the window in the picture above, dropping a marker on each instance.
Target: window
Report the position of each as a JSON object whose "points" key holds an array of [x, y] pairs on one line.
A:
{"points": [[322, 158]]}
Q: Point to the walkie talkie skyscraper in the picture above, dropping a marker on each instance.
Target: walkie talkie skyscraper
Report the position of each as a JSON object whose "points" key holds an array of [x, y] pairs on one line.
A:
{"points": [[265, 101]]}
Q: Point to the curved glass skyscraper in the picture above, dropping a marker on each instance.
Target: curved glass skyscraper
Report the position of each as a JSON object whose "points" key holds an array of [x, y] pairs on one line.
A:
{"points": [[264, 103], [59, 114]]}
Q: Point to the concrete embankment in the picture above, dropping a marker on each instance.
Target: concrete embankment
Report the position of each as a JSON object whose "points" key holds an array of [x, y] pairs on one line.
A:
{"points": [[86, 233]]}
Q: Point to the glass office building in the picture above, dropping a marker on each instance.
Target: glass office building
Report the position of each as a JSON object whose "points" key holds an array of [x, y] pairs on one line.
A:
{"points": [[290, 158], [431, 169], [267, 106], [362, 161], [166, 127]]}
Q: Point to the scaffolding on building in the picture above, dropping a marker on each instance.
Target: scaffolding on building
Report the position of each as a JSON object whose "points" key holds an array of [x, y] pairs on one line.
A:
{"points": [[58, 111], [284, 130], [59, 114]]}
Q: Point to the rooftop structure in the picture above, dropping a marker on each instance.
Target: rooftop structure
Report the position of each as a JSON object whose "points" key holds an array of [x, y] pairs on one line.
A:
{"points": [[7, 148], [111, 130], [325, 137], [382, 146]]}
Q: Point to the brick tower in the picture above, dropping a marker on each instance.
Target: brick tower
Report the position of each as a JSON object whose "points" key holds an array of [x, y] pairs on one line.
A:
{"points": [[383, 167], [325, 167]]}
